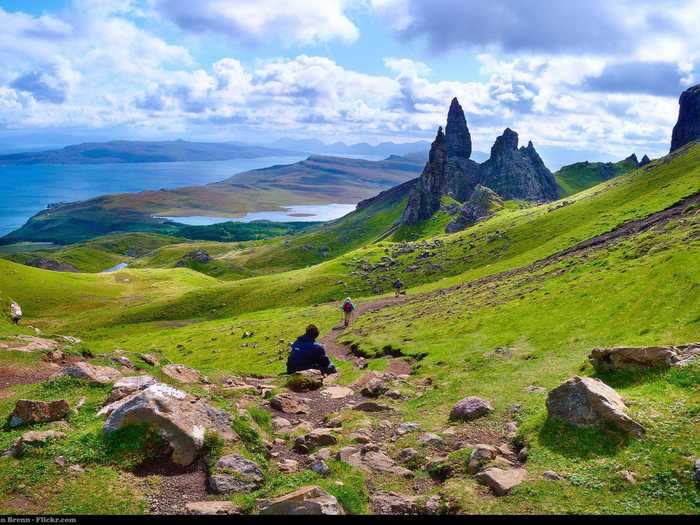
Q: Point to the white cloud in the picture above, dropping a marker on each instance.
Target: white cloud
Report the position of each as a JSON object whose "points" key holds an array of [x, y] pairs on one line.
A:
{"points": [[257, 21]]}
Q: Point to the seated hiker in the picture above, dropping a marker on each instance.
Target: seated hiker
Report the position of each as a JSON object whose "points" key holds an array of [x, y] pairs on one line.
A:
{"points": [[347, 307], [307, 354]]}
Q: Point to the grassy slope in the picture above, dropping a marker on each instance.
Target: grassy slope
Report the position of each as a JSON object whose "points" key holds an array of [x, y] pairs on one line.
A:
{"points": [[583, 175], [643, 291]]}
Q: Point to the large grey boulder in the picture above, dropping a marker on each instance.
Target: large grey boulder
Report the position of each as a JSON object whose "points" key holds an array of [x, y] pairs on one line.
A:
{"points": [[128, 385], [687, 128], [306, 500], [234, 473], [585, 401], [178, 417]]}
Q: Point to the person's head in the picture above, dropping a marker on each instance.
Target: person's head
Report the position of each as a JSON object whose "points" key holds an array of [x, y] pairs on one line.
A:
{"points": [[312, 331], [348, 300]]}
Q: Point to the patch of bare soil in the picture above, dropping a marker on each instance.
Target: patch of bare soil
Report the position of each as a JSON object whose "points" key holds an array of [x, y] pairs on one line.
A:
{"points": [[176, 486]]}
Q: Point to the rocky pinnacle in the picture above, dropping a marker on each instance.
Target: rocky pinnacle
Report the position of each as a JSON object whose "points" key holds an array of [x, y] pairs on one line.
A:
{"points": [[459, 141]]}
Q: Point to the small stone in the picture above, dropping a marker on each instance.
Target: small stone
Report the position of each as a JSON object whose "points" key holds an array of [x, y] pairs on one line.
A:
{"points": [[430, 439], [150, 359], [123, 361], [337, 392], [335, 422], [60, 461], [523, 454], [76, 470], [550, 474], [96, 374], [279, 423], [371, 406], [304, 501], [288, 465], [183, 374], [629, 476], [289, 404], [211, 508], [696, 468], [234, 473], [374, 388], [501, 481], [406, 428], [470, 408], [320, 467], [407, 455]]}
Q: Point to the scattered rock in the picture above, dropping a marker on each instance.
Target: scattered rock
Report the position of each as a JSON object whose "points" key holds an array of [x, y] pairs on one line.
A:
{"points": [[319, 437], [406, 428], [280, 423], [371, 406], [305, 381], [289, 404], [211, 508], [407, 455], [182, 374], [629, 476], [431, 439], [550, 474], [391, 503], [60, 461], [374, 388], [150, 359], [178, 417], [334, 422], [320, 467], [337, 392], [523, 454], [123, 361], [501, 481], [470, 408], [27, 411], [696, 469], [76, 470], [233, 474], [94, 373], [128, 385], [481, 454], [614, 359], [288, 465], [304, 501], [585, 401], [361, 436], [534, 389], [369, 458], [36, 437]]}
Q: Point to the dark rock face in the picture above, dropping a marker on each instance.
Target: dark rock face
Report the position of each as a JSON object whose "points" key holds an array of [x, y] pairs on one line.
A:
{"points": [[517, 173], [687, 129], [457, 137], [482, 203], [645, 160], [50, 264], [511, 172]]}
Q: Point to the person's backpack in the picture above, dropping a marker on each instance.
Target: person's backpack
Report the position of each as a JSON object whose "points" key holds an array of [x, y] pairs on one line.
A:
{"points": [[347, 306], [398, 284]]}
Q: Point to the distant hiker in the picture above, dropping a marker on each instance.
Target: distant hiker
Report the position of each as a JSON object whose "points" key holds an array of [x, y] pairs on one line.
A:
{"points": [[348, 308], [15, 312], [398, 286], [307, 354]]}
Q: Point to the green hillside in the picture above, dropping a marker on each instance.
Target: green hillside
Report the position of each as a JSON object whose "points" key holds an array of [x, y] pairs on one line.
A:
{"points": [[583, 175], [506, 310]]}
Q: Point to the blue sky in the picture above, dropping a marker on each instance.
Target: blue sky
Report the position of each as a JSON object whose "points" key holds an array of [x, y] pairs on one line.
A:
{"points": [[593, 80]]}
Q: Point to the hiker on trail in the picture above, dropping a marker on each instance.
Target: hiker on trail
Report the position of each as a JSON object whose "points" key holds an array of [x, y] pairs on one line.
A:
{"points": [[307, 354], [398, 286], [348, 308], [15, 312]]}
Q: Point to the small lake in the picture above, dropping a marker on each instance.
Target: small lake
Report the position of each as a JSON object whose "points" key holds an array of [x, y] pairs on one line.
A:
{"points": [[26, 190], [300, 213]]}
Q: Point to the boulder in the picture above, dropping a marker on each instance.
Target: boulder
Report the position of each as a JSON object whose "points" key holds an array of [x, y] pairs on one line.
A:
{"points": [[470, 408], [178, 417], [307, 500], [305, 381], [319, 437], [150, 359], [391, 503], [123, 361], [35, 437], [94, 373], [585, 401], [430, 439], [481, 454], [280, 423], [371, 406], [288, 465], [233, 474], [28, 411], [374, 388], [289, 404], [128, 385], [406, 428], [614, 359], [551, 475], [182, 374], [501, 481], [211, 508], [407, 455], [687, 128], [370, 459], [320, 467]]}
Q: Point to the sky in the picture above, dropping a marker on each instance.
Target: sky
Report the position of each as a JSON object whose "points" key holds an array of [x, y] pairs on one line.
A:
{"points": [[592, 80]]}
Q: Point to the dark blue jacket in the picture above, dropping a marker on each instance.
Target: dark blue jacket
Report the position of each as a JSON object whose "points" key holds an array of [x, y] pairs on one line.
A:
{"points": [[307, 354]]}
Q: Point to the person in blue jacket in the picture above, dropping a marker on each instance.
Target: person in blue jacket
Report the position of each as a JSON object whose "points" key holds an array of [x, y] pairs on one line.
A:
{"points": [[307, 354]]}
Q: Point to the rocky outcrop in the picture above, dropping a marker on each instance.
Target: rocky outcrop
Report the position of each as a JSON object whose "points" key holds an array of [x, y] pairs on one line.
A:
{"points": [[178, 417], [482, 204], [50, 264], [645, 160], [28, 411], [457, 137], [197, 256], [687, 129], [585, 402], [517, 173], [308, 500], [614, 359], [94, 373]]}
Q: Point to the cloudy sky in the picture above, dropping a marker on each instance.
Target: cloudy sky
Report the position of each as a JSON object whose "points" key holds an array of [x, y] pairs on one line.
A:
{"points": [[596, 79]]}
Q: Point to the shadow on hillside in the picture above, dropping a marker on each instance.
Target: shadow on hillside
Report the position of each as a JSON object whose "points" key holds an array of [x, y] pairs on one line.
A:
{"points": [[572, 442]]}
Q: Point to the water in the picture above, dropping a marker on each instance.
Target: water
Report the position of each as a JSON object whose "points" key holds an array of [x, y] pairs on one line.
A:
{"points": [[26, 190], [116, 268], [300, 213]]}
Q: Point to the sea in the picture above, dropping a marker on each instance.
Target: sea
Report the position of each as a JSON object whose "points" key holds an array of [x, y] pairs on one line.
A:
{"points": [[26, 190]]}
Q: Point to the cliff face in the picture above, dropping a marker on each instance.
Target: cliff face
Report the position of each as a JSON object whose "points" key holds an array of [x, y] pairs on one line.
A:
{"points": [[511, 172], [687, 129], [517, 173]]}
